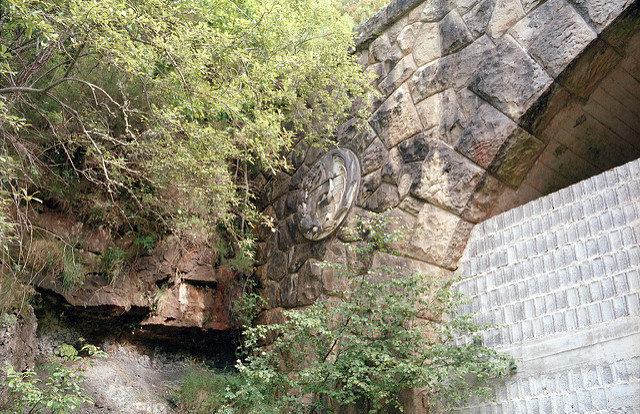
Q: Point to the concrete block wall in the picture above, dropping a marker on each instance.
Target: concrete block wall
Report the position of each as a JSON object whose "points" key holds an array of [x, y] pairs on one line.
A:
{"points": [[561, 276]]}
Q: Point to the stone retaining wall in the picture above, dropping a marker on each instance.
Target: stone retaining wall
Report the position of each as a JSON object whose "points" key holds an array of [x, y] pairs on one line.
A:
{"points": [[561, 274]]}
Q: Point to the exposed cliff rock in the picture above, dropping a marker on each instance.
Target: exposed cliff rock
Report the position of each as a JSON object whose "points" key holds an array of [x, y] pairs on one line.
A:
{"points": [[173, 284], [17, 343]]}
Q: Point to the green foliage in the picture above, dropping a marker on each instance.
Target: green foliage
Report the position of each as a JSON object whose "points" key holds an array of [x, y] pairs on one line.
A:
{"points": [[361, 10], [112, 262], [60, 392], [153, 116], [389, 331], [203, 390], [246, 307]]}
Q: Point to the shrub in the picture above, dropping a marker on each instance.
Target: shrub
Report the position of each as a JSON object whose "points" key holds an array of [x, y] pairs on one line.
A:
{"points": [[389, 331], [60, 392]]}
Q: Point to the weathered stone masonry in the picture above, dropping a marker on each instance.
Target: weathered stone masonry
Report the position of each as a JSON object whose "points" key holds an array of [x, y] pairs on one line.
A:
{"points": [[485, 105]]}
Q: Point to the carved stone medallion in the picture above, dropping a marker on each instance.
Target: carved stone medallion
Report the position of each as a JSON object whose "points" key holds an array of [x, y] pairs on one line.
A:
{"points": [[328, 191]]}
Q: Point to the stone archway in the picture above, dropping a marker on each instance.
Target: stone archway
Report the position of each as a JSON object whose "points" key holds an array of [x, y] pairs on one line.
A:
{"points": [[485, 105]]}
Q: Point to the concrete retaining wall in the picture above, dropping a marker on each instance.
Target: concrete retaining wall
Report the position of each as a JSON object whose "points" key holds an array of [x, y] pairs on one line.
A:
{"points": [[562, 275]]}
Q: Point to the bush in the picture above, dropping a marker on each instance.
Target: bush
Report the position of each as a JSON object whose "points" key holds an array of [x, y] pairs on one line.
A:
{"points": [[389, 331], [60, 392]]}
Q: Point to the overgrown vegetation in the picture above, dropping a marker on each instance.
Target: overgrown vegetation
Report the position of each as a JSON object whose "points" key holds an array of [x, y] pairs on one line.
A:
{"points": [[389, 331], [154, 117], [60, 392]]}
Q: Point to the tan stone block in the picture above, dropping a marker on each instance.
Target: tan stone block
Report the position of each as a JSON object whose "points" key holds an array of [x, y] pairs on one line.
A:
{"points": [[396, 119], [446, 178], [505, 14], [427, 44], [407, 37]]}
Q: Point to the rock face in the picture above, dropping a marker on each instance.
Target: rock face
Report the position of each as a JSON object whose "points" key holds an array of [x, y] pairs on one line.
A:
{"points": [[171, 286], [17, 344]]}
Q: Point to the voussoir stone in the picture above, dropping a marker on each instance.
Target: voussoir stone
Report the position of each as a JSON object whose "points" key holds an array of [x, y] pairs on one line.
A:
{"points": [[553, 34], [396, 119], [438, 39], [516, 157], [600, 13], [437, 236], [505, 14], [400, 72], [450, 71], [509, 79], [483, 201], [483, 137], [454, 34], [478, 18], [446, 178]]}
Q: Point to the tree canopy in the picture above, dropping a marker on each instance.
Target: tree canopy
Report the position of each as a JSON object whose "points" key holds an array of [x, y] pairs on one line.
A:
{"points": [[158, 112]]}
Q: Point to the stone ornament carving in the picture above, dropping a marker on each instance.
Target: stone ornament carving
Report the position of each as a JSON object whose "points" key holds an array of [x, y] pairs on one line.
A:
{"points": [[328, 191]]}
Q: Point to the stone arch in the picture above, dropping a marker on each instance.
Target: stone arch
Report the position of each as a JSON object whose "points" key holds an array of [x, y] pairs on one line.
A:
{"points": [[485, 105]]}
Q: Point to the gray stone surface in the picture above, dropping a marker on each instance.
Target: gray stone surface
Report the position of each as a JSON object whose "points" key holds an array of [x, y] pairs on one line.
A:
{"points": [[396, 119], [554, 34], [562, 278], [509, 79]]}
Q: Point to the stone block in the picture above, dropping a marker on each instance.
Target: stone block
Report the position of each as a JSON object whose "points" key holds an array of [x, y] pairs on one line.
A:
{"points": [[485, 135], [376, 72], [505, 14], [276, 267], [374, 156], [516, 157], [371, 28], [584, 74], [382, 50], [484, 199], [625, 28], [600, 13], [553, 34], [437, 236], [407, 37], [276, 187], [426, 46], [435, 10], [384, 198], [454, 34], [289, 291], [309, 283], [288, 233], [392, 169], [400, 73], [369, 185], [446, 178], [509, 79], [478, 18], [546, 107], [356, 136], [415, 148], [396, 119]]}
